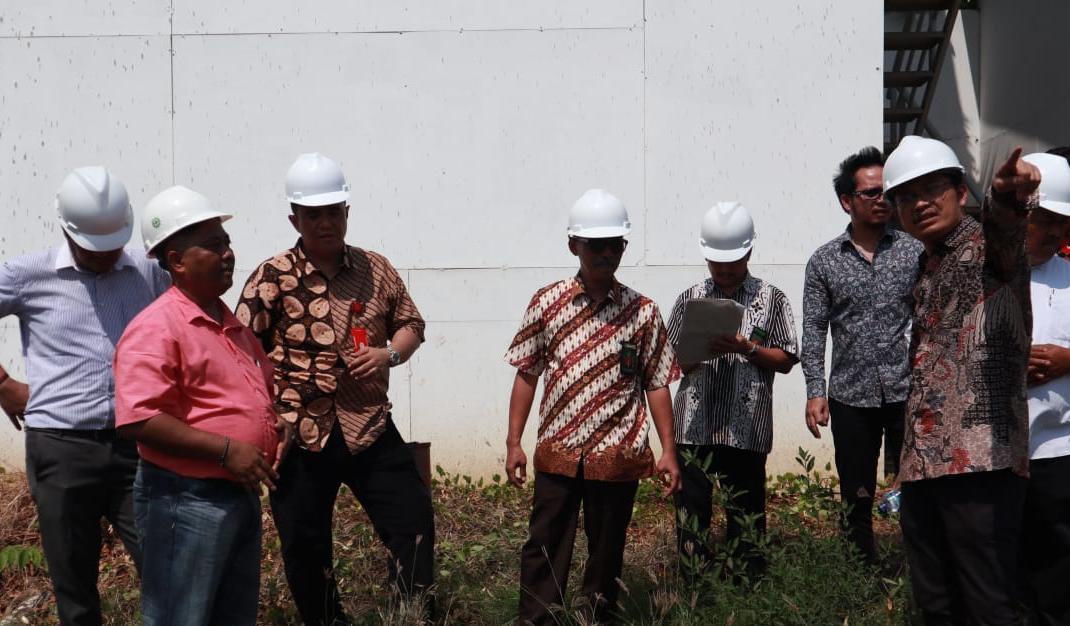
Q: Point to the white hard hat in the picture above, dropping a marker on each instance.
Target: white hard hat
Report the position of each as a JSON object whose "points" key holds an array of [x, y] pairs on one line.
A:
{"points": [[94, 209], [727, 232], [170, 211], [916, 157], [1054, 181], [315, 180], [598, 214]]}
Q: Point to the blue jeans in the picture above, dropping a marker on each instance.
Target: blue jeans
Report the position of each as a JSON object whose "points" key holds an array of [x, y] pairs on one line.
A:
{"points": [[200, 542]]}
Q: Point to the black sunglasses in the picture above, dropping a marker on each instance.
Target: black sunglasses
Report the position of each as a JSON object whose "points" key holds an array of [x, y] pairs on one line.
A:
{"points": [[872, 193], [615, 244]]}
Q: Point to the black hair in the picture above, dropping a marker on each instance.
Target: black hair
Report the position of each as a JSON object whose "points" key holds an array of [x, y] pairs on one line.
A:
{"points": [[1063, 151], [844, 180], [179, 242]]}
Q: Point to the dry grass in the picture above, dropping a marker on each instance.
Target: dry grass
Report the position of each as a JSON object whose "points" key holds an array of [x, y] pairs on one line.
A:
{"points": [[480, 528]]}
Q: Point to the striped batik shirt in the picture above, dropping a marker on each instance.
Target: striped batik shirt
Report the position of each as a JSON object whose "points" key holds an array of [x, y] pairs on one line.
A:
{"points": [[70, 320], [593, 412], [304, 319], [728, 400]]}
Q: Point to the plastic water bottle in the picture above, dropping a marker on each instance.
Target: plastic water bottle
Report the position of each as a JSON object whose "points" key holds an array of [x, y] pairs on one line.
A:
{"points": [[890, 502]]}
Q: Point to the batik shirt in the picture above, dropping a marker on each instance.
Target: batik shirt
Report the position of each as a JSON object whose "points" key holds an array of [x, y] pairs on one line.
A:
{"points": [[728, 400], [303, 319], [593, 412], [967, 410], [868, 305]]}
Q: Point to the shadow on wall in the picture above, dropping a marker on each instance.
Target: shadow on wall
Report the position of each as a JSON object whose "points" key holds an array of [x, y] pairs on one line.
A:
{"points": [[1023, 78]]}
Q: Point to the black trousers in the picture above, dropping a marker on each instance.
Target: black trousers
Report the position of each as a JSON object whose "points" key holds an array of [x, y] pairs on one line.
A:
{"points": [[742, 471], [385, 480], [1046, 540], [857, 433], [961, 534], [76, 478], [546, 557]]}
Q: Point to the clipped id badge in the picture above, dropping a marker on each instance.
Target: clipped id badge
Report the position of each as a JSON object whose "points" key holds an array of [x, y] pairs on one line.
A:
{"points": [[629, 359]]}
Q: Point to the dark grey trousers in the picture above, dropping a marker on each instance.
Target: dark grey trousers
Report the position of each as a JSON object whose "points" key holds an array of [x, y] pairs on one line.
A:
{"points": [[76, 478]]}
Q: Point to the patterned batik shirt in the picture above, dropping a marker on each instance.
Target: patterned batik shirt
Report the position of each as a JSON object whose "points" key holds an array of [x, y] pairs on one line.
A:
{"points": [[728, 400], [868, 305], [303, 319], [593, 411], [967, 409]]}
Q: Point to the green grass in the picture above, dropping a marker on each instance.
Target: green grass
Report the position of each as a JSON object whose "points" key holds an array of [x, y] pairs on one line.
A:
{"points": [[812, 577]]}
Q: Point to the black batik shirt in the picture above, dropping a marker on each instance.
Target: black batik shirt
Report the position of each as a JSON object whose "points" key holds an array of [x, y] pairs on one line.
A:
{"points": [[869, 307], [728, 400]]}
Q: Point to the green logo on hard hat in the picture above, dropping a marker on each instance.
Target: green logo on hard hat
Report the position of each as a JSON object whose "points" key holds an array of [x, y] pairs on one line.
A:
{"points": [[155, 222]]}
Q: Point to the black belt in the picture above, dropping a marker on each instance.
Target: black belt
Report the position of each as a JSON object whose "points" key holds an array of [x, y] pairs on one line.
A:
{"points": [[103, 434]]}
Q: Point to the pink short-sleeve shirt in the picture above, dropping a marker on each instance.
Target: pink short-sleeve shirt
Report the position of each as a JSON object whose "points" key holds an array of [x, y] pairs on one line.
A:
{"points": [[175, 359]]}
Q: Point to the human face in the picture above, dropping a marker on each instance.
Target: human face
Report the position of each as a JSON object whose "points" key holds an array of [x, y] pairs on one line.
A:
{"points": [[599, 258], [729, 276], [866, 205], [205, 267], [96, 262], [930, 207], [322, 228], [1046, 233]]}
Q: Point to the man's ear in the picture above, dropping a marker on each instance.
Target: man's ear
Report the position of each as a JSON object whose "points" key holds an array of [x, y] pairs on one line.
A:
{"points": [[845, 202], [572, 246], [293, 221], [964, 195], [174, 261]]}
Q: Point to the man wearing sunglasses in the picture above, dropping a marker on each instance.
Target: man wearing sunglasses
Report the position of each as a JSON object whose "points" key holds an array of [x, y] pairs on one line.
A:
{"points": [[602, 347], [966, 437], [860, 285]]}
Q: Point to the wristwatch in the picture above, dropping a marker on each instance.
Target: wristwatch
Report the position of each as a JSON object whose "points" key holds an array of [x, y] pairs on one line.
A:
{"points": [[395, 356], [753, 349]]}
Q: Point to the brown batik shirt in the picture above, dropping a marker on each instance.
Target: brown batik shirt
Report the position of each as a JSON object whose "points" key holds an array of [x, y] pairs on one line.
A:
{"points": [[967, 410], [304, 320], [593, 411]]}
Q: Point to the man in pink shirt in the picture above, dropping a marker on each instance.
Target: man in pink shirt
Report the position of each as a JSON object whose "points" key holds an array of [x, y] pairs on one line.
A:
{"points": [[193, 387]]}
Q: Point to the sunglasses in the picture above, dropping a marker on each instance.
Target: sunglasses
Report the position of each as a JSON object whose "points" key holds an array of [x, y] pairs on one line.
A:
{"points": [[597, 246], [872, 193]]}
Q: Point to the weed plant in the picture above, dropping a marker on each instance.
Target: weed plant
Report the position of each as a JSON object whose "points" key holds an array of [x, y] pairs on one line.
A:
{"points": [[813, 576]]}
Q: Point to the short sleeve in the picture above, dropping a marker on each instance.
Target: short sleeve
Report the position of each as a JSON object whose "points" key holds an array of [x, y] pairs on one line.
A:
{"points": [[146, 369], [676, 318], [10, 303], [658, 356], [257, 307], [527, 352], [403, 313], [782, 325]]}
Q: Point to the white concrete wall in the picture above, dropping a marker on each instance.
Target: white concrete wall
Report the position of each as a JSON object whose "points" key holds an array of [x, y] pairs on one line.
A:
{"points": [[466, 128]]}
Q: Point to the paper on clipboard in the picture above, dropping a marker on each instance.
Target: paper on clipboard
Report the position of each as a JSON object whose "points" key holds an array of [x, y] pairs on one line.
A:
{"points": [[704, 319]]}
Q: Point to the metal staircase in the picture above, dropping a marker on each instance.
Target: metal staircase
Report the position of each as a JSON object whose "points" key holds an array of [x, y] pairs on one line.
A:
{"points": [[916, 39]]}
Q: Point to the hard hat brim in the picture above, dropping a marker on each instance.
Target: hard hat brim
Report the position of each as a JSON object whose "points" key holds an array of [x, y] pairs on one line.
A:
{"points": [[1062, 208], [725, 256], [321, 199], [918, 173], [150, 252], [600, 232], [100, 243]]}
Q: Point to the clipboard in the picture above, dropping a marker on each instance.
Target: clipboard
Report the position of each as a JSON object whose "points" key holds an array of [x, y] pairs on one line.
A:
{"points": [[704, 319]]}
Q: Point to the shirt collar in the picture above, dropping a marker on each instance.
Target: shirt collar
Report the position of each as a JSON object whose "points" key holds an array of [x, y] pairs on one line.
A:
{"points": [[64, 260], [577, 289], [299, 252], [845, 236], [191, 312], [960, 234], [749, 286]]}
